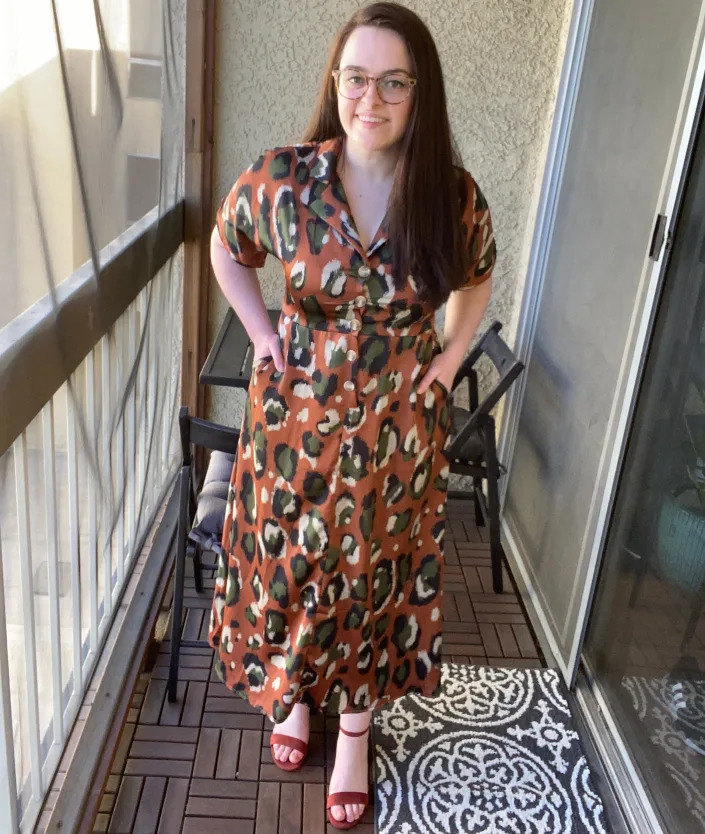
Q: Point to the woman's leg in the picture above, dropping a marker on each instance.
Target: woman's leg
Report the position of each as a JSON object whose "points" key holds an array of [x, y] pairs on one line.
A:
{"points": [[296, 725], [350, 772]]}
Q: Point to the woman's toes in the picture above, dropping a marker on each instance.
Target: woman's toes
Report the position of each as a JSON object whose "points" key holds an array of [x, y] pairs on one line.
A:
{"points": [[295, 756], [338, 813]]}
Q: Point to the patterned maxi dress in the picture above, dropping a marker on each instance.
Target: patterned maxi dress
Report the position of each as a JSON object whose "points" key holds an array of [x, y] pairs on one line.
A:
{"points": [[331, 590]]}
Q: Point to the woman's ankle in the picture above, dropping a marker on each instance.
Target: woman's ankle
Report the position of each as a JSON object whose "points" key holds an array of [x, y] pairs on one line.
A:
{"points": [[294, 710], [356, 722]]}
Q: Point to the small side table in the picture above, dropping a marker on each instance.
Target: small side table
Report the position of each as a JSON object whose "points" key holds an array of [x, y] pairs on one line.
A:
{"points": [[229, 361]]}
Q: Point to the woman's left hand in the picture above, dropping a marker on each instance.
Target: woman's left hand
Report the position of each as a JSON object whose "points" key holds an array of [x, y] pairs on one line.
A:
{"points": [[443, 367]]}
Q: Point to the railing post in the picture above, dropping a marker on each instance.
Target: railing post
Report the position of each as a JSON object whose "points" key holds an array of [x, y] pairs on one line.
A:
{"points": [[28, 617], [54, 589], [8, 780], [200, 75]]}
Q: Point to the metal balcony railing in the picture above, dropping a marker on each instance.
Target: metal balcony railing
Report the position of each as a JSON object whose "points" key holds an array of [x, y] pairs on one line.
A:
{"points": [[89, 383]]}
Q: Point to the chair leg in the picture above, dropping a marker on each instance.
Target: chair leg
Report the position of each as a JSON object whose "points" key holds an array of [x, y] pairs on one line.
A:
{"points": [[195, 553], [476, 489], [493, 507], [177, 605]]}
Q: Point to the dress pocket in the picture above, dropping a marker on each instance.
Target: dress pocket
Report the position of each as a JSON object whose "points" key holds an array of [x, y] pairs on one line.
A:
{"points": [[260, 365], [441, 386]]}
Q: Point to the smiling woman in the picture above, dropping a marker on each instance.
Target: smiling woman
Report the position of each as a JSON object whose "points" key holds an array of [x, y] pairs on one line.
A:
{"points": [[330, 595]]}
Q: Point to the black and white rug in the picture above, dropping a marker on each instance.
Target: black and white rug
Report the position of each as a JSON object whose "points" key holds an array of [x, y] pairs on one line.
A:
{"points": [[496, 753]]}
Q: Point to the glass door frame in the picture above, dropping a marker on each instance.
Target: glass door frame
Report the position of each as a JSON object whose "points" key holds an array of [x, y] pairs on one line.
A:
{"points": [[639, 814], [641, 331]]}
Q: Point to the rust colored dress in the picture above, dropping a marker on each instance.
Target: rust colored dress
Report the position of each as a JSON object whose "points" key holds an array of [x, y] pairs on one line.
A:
{"points": [[331, 592]]}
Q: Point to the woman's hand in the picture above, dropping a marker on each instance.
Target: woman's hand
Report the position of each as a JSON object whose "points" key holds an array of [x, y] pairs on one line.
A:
{"points": [[269, 346], [443, 367]]}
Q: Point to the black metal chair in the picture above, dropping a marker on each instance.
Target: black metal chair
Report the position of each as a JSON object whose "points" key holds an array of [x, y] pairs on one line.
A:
{"points": [[473, 449], [201, 516]]}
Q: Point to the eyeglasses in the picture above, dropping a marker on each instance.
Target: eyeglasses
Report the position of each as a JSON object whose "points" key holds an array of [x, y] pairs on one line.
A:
{"points": [[392, 88]]}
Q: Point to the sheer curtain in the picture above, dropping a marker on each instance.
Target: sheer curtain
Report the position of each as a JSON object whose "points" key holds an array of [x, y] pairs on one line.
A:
{"points": [[91, 215]]}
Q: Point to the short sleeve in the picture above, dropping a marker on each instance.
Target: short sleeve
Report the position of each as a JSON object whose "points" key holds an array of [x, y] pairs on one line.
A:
{"points": [[242, 223], [479, 235]]}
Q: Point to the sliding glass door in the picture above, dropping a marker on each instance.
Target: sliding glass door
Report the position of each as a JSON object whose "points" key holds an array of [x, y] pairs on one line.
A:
{"points": [[645, 644]]}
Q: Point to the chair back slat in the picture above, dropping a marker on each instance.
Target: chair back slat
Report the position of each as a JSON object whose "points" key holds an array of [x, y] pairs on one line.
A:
{"points": [[499, 352], [508, 366], [214, 436]]}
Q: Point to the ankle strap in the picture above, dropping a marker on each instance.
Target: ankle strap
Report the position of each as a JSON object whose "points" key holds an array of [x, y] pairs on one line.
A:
{"points": [[349, 733]]}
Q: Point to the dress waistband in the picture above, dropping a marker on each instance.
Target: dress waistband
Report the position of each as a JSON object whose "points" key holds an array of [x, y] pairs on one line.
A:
{"points": [[364, 321]]}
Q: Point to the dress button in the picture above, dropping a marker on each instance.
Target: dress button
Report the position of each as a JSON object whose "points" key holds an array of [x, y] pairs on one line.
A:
{"points": [[349, 385], [355, 324], [352, 356], [364, 271], [360, 301]]}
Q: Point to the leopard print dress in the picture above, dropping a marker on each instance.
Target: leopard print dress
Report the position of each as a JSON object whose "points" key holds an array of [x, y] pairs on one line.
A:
{"points": [[329, 590]]}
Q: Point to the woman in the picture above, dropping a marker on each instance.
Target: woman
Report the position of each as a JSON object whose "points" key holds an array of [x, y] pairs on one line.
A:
{"points": [[331, 595]]}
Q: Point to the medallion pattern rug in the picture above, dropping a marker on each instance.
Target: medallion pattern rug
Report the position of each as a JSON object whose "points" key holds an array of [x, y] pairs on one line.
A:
{"points": [[494, 753]]}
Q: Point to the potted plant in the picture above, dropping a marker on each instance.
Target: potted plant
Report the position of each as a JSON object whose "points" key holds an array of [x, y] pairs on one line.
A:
{"points": [[681, 522]]}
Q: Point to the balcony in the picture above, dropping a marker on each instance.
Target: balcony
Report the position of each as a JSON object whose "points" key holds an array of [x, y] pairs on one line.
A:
{"points": [[203, 764]]}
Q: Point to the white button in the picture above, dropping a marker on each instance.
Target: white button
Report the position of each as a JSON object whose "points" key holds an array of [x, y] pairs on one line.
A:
{"points": [[360, 301], [364, 271], [352, 356], [355, 324], [349, 385]]}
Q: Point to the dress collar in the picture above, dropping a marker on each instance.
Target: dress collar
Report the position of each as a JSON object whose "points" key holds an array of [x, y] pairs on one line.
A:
{"points": [[325, 197]]}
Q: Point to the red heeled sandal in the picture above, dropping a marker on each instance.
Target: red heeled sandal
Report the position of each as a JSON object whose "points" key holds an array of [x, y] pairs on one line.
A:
{"points": [[347, 797], [288, 741]]}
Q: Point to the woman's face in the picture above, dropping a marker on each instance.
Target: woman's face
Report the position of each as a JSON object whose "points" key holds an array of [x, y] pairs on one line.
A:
{"points": [[369, 122]]}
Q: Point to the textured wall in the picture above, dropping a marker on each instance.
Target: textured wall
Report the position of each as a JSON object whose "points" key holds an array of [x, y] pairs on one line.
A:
{"points": [[501, 60]]}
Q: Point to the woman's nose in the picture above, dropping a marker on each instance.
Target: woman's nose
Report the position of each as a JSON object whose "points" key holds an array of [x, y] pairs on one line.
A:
{"points": [[371, 94]]}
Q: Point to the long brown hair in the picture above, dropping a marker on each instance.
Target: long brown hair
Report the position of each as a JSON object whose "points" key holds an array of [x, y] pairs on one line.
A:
{"points": [[424, 217]]}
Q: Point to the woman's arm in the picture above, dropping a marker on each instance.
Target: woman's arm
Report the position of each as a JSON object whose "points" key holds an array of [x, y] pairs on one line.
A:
{"points": [[464, 312], [241, 288]]}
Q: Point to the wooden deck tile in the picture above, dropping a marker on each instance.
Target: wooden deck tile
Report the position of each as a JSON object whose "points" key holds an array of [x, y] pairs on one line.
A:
{"points": [[314, 816], [228, 754], [162, 750], [193, 705], [174, 805], [126, 805], [267, 820], [156, 732], [250, 754], [200, 806], [171, 713], [159, 767], [207, 753], [490, 640], [212, 825], [203, 765], [230, 789], [153, 701], [506, 638], [525, 640], [290, 804], [150, 805]]}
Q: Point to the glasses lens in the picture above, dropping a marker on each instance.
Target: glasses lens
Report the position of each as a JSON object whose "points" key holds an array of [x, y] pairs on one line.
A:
{"points": [[351, 84], [394, 88]]}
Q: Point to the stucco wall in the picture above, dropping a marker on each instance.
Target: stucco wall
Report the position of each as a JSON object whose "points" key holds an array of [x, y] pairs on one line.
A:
{"points": [[501, 60]]}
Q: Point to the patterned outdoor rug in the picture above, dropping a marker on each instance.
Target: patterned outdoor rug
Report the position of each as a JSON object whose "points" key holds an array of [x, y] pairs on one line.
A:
{"points": [[495, 753]]}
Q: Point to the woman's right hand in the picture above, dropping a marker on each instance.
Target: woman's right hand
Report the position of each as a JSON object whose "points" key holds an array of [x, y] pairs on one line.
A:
{"points": [[269, 346]]}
